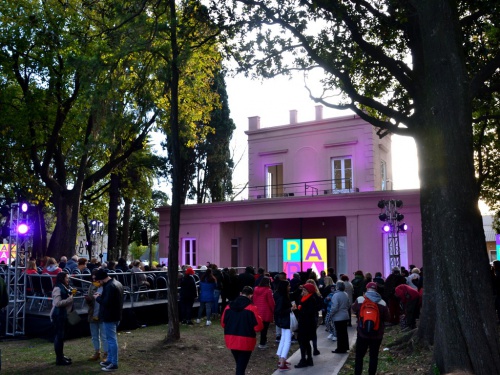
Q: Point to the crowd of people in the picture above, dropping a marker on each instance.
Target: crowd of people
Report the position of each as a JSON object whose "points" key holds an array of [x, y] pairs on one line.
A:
{"points": [[247, 304], [324, 300]]}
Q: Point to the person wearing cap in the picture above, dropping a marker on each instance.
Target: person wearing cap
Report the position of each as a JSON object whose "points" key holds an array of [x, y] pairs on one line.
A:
{"points": [[241, 322], [110, 313], [339, 313], [307, 310], [365, 342], [410, 299], [393, 280], [187, 295]]}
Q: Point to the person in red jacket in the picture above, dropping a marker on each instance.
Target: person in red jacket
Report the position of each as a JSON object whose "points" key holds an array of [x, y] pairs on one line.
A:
{"points": [[410, 299], [241, 321], [263, 299]]}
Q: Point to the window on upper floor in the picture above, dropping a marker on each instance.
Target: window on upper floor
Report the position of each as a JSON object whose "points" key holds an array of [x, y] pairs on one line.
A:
{"points": [[342, 174], [383, 175], [274, 180]]}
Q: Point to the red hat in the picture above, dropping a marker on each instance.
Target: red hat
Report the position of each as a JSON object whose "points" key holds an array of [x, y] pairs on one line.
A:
{"points": [[309, 287], [371, 285], [189, 271]]}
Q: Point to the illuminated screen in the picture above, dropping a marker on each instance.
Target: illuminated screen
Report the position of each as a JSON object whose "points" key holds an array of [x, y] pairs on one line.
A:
{"points": [[498, 246], [312, 253]]}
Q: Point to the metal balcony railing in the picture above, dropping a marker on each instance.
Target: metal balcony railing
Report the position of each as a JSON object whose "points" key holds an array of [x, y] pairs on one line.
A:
{"points": [[301, 189]]}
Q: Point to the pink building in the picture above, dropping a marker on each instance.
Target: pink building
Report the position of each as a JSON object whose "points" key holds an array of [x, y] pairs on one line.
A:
{"points": [[315, 183]]}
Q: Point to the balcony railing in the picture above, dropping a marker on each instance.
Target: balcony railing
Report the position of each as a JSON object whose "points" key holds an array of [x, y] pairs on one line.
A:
{"points": [[301, 189]]}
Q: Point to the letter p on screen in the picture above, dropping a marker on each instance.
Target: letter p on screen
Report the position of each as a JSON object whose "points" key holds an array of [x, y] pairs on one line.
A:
{"points": [[291, 250]]}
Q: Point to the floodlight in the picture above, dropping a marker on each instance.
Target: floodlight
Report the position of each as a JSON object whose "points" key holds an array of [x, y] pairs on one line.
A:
{"points": [[386, 228], [382, 217], [23, 228]]}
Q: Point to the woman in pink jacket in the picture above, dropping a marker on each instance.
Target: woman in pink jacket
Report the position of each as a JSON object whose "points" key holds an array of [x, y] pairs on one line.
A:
{"points": [[263, 299]]}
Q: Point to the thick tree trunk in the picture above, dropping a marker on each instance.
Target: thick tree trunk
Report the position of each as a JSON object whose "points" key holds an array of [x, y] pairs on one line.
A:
{"points": [[63, 239], [456, 273], [114, 202]]}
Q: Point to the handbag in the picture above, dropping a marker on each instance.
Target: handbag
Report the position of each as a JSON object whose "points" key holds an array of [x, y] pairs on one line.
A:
{"points": [[294, 323], [73, 318]]}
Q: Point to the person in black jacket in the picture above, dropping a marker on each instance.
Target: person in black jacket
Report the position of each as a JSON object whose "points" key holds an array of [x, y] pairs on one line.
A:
{"points": [[110, 313], [307, 310], [241, 321], [282, 309], [246, 278], [187, 295]]}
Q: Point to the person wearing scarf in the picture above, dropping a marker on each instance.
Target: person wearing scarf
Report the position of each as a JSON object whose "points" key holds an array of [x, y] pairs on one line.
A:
{"points": [[62, 304], [307, 310]]}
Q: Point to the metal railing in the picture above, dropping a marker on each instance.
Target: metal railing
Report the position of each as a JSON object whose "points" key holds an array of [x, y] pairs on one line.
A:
{"points": [[307, 188]]}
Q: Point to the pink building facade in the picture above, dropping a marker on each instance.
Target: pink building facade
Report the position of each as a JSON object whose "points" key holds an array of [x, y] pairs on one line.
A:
{"points": [[314, 183]]}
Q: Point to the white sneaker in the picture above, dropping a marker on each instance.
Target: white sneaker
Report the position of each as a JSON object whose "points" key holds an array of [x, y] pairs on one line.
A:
{"points": [[330, 336], [334, 338], [209, 323], [197, 321]]}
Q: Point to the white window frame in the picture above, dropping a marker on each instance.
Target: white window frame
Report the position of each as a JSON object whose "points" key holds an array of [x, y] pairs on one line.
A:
{"points": [[341, 187], [383, 175], [189, 256]]}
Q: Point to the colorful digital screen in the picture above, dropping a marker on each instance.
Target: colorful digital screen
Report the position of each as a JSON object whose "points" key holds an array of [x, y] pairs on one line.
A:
{"points": [[303, 255], [4, 253], [498, 245]]}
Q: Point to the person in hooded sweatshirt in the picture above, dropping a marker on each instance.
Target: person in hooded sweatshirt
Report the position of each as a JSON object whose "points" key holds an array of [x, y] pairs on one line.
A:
{"points": [[372, 342], [241, 322]]}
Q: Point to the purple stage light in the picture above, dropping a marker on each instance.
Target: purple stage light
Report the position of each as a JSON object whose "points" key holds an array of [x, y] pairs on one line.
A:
{"points": [[22, 228], [386, 228], [24, 207]]}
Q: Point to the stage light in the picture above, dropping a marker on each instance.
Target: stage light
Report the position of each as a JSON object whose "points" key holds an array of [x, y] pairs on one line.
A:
{"points": [[381, 204], [399, 216], [403, 227], [399, 203], [93, 222], [382, 217], [24, 207], [386, 228], [23, 228]]}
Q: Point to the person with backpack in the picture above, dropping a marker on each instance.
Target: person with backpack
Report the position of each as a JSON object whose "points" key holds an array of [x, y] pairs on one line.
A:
{"points": [[372, 313]]}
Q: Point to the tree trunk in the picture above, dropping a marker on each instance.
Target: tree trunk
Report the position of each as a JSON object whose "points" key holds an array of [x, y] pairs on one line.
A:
{"points": [[175, 214], [63, 239], [114, 202], [126, 227], [453, 238]]}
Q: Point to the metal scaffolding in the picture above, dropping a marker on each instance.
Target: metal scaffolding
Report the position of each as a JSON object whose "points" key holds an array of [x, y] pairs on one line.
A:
{"points": [[392, 227], [19, 245]]}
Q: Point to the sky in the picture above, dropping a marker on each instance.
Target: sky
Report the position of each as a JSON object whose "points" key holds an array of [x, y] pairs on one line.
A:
{"points": [[272, 101]]}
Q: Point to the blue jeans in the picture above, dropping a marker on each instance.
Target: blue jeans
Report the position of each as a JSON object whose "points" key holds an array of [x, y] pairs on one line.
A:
{"points": [[98, 336], [110, 330], [215, 305], [203, 306]]}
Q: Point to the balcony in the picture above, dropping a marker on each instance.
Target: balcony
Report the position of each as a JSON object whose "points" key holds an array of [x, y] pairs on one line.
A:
{"points": [[302, 189]]}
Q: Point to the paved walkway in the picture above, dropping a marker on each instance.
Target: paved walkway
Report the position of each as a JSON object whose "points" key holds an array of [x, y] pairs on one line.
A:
{"points": [[327, 363]]}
